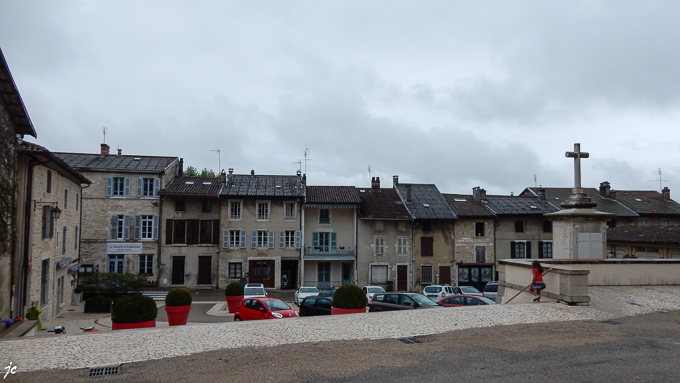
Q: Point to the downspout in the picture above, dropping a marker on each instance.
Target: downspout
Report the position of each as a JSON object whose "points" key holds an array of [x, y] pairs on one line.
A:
{"points": [[301, 279], [23, 274]]}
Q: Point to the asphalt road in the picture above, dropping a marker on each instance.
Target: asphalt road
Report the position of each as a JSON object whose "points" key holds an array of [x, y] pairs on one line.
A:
{"points": [[644, 348]]}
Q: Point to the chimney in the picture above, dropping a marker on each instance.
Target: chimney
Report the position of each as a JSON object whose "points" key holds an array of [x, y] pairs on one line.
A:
{"points": [[395, 181], [120, 152], [478, 194], [299, 178], [612, 194], [375, 183], [180, 168], [223, 175], [541, 194], [105, 150], [666, 193], [252, 172], [408, 193], [605, 189], [230, 177]]}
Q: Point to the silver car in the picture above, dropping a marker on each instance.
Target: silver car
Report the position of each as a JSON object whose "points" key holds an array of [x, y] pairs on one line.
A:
{"points": [[304, 292]]}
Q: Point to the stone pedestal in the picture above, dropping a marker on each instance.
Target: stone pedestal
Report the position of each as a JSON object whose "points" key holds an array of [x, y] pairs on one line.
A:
{"points": [[579, 233]]}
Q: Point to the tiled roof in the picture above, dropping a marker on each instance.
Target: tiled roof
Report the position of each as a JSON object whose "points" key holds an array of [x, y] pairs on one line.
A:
{"points": [[558, 195], [123, 163], [247, 185], [652, 234], [32, 149], [647, 202], [9, 94], [465, 206], [518, 205], [198, 186], [426, 202], [332, 194], [382, 204]]}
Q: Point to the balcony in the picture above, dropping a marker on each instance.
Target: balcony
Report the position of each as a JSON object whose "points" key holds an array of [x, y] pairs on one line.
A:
{"points": [[330, 253]]}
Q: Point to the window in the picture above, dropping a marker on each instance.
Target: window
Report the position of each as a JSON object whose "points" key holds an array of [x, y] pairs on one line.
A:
{"points": [[480, 254], [324, 216], [379, 225], [146, 264], [44, 278], [47, 222], [426, 274], [262, 211], [120, 227], [235, 270], [206, 206], [519, 226], [205, 231], [65, 199], [324, 275], [77, 201], [642, 222], [116, 263], [479, 229], [520, 249], [262, 238], [427, 226], [547, 226], [289, 239], [118, 186], [63, 240], [234, 238], [324, 241], [146, 227], [545, 249], [148, 187], [379, 245], [426, 246], [402, 245], [179, 231], [75, 239], [49, 181], [378, 273], [401, 226], [235, 210], [180, 204], [290, 211], [665, 222]]}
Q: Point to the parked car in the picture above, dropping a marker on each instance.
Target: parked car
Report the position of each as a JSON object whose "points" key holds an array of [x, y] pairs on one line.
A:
{"points": [[465, 300], [315, 305], [400, 301], [437, 292], [466, 290], [491, 290], [263, 308], [253, 290], [303, 292], [327, 293], [372, 290]]}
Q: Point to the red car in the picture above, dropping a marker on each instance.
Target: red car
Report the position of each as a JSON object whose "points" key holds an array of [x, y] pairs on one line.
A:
{"points": [[263, 308], [465, 300]]}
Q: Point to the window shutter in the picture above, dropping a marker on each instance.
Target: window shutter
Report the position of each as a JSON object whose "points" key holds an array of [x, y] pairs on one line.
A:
{"points": [[243, 239], [298, 239], [512, 249], [154, 229], [540, 249], [315, 239], [334, 241], [169, 223], [109, 186], [156, 186], [225, 239], [138, 226], [528, 249], [216, 232], [270, 239], [140, 183], [126, 191], [113, 231], [282, 239], [192, 231], [253, 239], [126, 227]]}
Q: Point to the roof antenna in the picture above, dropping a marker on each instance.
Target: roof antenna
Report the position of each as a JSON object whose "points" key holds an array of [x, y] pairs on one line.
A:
{"points": [[306, 159], [660, 187], [535, 183], [219, 160], [104, 133]]}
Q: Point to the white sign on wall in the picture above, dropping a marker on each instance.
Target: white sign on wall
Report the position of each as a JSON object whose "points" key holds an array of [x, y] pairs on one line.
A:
{"points": [[123, 248]]}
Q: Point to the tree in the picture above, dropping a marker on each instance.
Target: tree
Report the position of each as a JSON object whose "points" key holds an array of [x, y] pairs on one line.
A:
{"points": [[193, 172], [190, 172], [207, 173]]}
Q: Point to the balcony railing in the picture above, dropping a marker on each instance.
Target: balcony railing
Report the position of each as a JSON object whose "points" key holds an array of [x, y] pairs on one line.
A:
{"points": [[327, 252], [325, 285]]}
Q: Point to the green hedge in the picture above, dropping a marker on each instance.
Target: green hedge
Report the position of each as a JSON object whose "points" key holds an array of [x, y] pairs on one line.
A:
{"points": [[133, 309], [349, 297], [113, 282]]}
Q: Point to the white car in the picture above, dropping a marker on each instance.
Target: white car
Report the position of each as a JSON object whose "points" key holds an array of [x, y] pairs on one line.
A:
{"points": [[254, 290], [372, 290], [437, 292], [467, 290], [304, 292]]}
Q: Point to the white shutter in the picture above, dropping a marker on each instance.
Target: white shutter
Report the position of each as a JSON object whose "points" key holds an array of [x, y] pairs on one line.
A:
{"points": [[225, 239], [298, 239], [138, 226], [126, 191], [109, 186], [155, 228], [270, 239], [140, 183], [282, 238], [253, 239], [243, 239]]}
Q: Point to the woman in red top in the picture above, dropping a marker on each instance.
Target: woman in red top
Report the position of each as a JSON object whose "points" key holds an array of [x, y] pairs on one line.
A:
{"points": [[537, 283]]}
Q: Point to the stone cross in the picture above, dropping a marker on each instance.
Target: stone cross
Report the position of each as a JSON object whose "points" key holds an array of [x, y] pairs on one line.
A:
{"points": [[577, 154]]}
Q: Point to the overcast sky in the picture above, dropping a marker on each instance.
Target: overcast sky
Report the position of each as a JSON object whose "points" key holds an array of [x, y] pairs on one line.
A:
{"points": [[455, 93]]}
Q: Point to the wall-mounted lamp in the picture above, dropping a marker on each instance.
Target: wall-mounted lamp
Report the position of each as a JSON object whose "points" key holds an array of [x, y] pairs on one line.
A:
{"points": [[54, 211], [612, 254]]}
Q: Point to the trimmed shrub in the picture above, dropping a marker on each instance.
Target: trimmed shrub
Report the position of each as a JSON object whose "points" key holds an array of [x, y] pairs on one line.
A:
{"points": [[178, 297], [349, 297], [96, 300], [79, 289], [133, 309], [234, 289], [113, 282]]}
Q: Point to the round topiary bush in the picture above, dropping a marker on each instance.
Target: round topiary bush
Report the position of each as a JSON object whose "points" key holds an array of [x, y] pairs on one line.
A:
{"points": [[96, 300], [234, 289], [133, 309], [178, 297], [349, 297]]}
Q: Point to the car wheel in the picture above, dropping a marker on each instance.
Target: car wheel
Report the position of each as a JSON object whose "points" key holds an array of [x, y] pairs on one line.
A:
{"points": [[237, 319]]}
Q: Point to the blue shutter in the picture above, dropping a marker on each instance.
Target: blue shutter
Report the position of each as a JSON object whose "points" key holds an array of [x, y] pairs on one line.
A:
{"points": [[253, 239], [334, 241], [138, 226], [109, 186], [270, 239], [126, 227], [315, 240], [298, 239], [156, 186], [126, 191], [243, 239], [140, 183], [225, 239], [155, 228], [282, 238], [114, 227]]}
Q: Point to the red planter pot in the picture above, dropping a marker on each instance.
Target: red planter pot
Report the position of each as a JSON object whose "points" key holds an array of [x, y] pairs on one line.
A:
{"points": [[177, 315], [336, 311], [233, 302], [128, 326]]}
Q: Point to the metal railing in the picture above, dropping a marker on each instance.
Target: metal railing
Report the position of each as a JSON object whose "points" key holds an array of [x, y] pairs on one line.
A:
{"points": [[324, 285], [327, 251]]}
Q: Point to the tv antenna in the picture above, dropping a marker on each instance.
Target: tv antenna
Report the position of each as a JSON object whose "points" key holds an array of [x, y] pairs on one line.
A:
{"points": [[299, 162], [660, 180], [369, 172], [219, 160], [104, 133], [535, 182]]}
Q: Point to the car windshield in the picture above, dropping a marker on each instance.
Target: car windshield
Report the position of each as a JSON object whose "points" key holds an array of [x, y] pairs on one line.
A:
{"points": [[253, 291], [423, 300], [487, 300], [374, 290], [491, 288], [469, 290], [432, 289], [276, 305], [306, 290]]}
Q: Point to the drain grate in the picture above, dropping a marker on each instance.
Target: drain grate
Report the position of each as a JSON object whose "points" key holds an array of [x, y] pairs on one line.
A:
{"points": [[103, 371], [410, 340]]}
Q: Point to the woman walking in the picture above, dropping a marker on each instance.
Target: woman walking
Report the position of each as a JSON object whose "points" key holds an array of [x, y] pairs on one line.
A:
{"points": [[537, 284]]}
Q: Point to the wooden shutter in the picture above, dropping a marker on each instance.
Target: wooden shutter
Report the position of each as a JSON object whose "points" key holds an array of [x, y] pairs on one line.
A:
{"points": [[126, 190], [315, 240], [298, 239], [225, 239], [528, 249], [154, 229], [426, 246], [282, 239], [192, 231], [109, 186], [168, 231], [138, 226], [242, 239], [513, 254], [540, 249], [253, 239], [334, 241], [270, 239], [126, 227], [113, 234], [156, 186], [216, 232], [140, 183]]}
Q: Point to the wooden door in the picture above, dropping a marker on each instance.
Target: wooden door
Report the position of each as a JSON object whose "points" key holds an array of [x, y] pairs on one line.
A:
{"points": [[204, 270], [178, 270], [262, 272], [444, 275], [402, 278]]}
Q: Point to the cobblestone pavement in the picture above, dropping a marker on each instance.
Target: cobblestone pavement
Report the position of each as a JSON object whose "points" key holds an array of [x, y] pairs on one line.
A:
{"points": [[82, 350]]}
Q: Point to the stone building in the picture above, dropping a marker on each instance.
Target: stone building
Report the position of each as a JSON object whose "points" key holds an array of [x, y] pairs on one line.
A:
{"points": [[122, 210], [384, 239], [644, 241]]}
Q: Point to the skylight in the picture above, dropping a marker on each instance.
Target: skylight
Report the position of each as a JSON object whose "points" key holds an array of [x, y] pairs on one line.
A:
{"points": [[426, 204], [639, 200], [207, 183], [533, 207], [459, 200], [190, 182]]}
